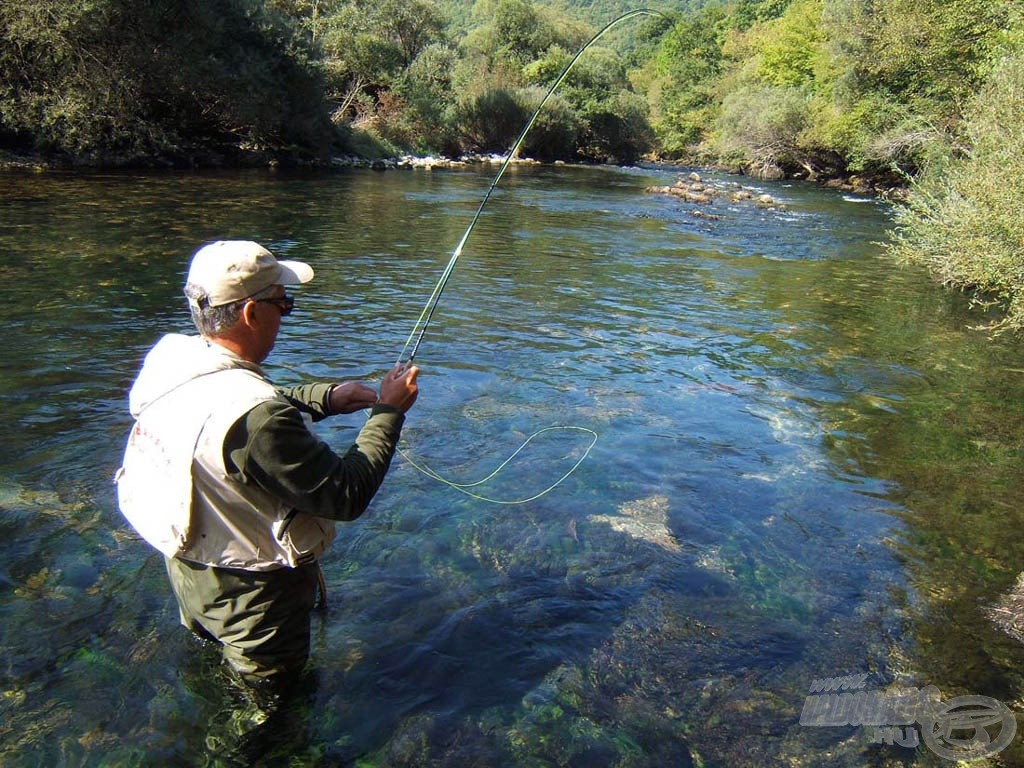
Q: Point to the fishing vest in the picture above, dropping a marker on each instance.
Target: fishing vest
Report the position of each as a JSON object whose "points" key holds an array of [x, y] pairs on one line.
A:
{"points": [[175, 490]]}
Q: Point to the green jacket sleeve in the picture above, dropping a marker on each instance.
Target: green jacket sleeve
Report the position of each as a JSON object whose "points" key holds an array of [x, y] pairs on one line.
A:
{"points": [[310, 398], [272, 447]]}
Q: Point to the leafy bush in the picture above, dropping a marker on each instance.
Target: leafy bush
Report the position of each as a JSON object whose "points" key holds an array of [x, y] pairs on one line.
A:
{"points": [[761, 126], [790, 48], [492, 121], [681, 80], [616, 130], [367, 144], [116, 77], [427, 88], [963, 217], [554, 133]]}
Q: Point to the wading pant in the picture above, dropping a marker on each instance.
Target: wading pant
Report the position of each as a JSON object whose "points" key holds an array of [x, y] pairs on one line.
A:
{"points": [[260, 619]]}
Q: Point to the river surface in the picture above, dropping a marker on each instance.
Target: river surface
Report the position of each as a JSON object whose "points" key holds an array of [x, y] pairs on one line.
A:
{"points": [[807, 466]]}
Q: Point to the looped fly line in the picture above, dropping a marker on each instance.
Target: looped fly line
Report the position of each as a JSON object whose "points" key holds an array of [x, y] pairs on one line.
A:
{"points": [[467, 488]]}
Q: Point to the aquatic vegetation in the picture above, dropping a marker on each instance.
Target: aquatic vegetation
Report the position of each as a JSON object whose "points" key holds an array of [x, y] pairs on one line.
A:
{"points": [[42, 584]]}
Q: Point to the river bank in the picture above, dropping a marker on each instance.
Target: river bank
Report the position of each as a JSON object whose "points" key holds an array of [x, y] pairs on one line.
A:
{"points": [[36, 162]]}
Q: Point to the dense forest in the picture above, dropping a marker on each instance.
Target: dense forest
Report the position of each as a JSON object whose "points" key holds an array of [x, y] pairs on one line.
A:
{"points": [[769, 87], [924, 94]]}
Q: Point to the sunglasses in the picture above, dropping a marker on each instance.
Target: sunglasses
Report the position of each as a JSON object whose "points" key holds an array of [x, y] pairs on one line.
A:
{"points": [[284, 304]]}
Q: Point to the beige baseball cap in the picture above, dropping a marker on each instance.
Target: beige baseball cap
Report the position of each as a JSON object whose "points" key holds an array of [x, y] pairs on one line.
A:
{"points": [[232, 270]]}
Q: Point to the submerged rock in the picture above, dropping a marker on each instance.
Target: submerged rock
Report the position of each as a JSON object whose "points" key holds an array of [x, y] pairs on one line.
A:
{"points": [[645, 519], [1008, 612]]}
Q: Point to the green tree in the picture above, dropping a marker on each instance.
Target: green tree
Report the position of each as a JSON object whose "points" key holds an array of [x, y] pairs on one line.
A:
{"points": [[613, 120], [903, 69], [517, 52], [760, 128], [426, 87], [555, 133], [127, 81], [616, 130], [747, 13], [766, 112], [512, 31], [932, 52], [367, 47], [789, 49], [509, 37], [681, 78]]}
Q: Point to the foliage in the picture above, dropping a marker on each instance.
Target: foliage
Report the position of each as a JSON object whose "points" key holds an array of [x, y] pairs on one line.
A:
{"points": [[426, 86], [612, 119], [963, 217], [884, 80], [158, 78], [498, 56], [616, 130], [795, 86], [747, 13], [592, 13], [116, 81], [766, 111], [761, 126], [933, 53], [367, 46], [491, 121], [510, 60], [788, 48], [680, 80], [555, 133], [516, 32]]}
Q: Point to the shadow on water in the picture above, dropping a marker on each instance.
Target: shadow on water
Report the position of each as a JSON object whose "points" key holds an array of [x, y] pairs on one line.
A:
{"points": [[805, 469]]}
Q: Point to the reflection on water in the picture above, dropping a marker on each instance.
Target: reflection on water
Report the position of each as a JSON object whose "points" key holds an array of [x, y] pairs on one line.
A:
{"points": [[807, 467]]}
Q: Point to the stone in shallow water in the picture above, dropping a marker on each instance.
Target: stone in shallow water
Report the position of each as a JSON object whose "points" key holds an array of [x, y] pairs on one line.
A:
{"points": [[1008, 611], [645, 519]]}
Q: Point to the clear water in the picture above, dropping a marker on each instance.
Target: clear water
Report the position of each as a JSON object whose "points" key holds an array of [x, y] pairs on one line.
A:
{"points": [[807, 466]]}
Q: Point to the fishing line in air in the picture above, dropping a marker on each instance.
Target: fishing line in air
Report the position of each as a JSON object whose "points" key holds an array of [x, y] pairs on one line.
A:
{"points": [[412, 343]]}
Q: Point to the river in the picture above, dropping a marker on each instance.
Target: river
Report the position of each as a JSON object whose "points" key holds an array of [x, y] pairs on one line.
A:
{"points": [[781, 462]]}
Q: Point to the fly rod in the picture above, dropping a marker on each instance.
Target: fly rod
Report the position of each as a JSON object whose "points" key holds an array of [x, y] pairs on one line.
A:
{"points": [[412, 344]]}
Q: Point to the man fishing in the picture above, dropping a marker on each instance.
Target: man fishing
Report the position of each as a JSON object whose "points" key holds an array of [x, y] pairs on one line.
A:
{"points": [[224, 476]]}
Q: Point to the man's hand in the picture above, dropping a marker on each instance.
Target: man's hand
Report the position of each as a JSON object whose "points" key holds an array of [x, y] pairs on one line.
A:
{"points": [[351, 396], [399, 388]]}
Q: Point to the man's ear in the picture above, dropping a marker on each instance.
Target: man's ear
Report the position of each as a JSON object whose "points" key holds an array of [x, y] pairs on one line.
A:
{"points": [[248, 314]]}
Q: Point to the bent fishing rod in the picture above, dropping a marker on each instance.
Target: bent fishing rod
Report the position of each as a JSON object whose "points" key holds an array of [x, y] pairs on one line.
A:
{"points": [[412, 344], [420, 327]]}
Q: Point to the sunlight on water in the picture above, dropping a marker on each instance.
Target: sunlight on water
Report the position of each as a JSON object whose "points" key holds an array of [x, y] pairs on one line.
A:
{"points": [[790, 431]]}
